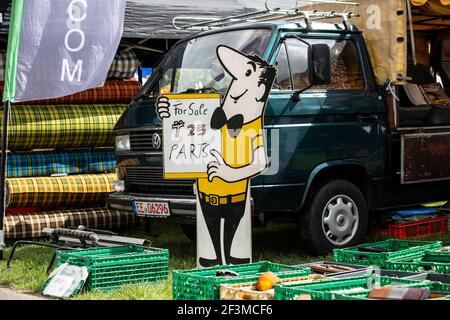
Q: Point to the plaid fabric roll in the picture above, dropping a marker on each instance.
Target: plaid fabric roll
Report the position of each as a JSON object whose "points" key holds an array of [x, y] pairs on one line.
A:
{"points": [[124, 65], [31, 225], [58, 126], [54, 191], [114, 91], [49, 163], [12, 211]]}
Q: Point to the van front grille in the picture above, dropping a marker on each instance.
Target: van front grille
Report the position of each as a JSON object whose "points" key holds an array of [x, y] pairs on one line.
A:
{"points": [[143, 141], [150, 180]]}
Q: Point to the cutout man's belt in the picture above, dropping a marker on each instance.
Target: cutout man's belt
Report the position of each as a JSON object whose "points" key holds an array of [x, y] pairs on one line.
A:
{"points": [[216, 200]]}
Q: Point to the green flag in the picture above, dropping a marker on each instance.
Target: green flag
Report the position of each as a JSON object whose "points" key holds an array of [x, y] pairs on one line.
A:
{"points": [[13, 50]]}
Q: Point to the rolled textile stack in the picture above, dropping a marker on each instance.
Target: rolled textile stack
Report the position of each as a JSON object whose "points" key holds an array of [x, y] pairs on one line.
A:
{"points": [[114, 91], [58, 191], [62, 126], [31, 225], [37, 164], [124, 65], [61, 158]]}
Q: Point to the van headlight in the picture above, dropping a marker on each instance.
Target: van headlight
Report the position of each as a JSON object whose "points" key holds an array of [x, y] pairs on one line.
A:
{"points": [[118, 186], [123, 142]]}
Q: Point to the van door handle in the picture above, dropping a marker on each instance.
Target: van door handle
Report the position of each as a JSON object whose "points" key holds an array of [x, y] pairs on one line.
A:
{"points": [[367, 118]]}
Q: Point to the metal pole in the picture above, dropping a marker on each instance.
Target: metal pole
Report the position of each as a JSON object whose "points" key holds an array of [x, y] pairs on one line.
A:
{"points": [[411, 32], [3, 174], [140, 73]]}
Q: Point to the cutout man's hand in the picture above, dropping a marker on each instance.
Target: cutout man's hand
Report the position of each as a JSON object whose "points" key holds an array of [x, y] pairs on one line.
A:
{"points": [[220, 169], [162, 107]]}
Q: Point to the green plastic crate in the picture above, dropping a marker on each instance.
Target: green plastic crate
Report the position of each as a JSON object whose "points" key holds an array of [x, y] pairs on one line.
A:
{"points": [[112, 267], [437, 256], [325, 290], [203, 284], [434, 286], [365, 297], [398, 249], [430, 261]]}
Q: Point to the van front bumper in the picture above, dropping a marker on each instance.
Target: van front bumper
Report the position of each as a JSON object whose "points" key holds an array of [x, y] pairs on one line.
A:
{"points": [[183, 208]]}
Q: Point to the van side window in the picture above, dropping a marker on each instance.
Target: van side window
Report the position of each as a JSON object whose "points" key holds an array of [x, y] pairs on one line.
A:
{"points": [[297, 52], [345, 63], [283, 79], [165, 83], [345, 66]]}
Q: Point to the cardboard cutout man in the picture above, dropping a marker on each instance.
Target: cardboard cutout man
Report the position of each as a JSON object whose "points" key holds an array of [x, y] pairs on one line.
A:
{"points": [[223, 197]]}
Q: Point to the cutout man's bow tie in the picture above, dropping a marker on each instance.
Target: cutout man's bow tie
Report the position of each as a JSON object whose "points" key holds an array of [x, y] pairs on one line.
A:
{"points": [[234, 124]]}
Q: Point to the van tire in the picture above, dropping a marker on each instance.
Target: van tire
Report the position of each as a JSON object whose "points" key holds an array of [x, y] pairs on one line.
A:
{"points": [[190, 230], [335, 216]]}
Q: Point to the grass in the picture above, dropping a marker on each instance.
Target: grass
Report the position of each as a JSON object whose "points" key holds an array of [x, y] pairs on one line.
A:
{"points": [[274, 243]]}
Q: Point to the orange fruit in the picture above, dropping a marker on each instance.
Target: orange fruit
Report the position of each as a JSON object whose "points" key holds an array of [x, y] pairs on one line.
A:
{"points": [[266, 281]]}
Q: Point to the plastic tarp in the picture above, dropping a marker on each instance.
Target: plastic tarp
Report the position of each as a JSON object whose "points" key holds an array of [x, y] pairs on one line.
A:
{"points": [[153, 18], [383, 23], [424, 12], [423, 2], [384, 30], [385, 33], [385, 27]]}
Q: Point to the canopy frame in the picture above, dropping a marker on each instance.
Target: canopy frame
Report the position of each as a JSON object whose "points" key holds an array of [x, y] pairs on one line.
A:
{"points": [[202, 23]]}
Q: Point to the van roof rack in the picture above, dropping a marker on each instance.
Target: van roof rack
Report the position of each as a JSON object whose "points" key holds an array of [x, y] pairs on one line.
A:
{"points": [[200, 23]]}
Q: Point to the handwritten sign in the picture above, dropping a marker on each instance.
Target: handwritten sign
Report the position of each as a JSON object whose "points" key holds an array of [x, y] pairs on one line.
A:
{"points": [[188, 137]]}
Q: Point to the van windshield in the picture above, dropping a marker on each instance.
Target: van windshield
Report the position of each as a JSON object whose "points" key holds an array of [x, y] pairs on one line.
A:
{"points": [[192, 66]]}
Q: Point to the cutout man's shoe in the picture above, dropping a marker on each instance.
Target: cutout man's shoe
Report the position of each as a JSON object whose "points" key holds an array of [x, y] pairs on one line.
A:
{"points": [[233, 260], [209, 262]]}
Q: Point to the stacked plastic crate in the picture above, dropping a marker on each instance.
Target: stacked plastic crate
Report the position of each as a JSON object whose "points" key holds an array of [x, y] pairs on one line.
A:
{"points": [[301, 282]]}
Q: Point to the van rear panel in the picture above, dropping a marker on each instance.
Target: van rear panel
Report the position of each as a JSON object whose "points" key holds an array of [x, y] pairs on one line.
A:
{"points": [[425, 157]]}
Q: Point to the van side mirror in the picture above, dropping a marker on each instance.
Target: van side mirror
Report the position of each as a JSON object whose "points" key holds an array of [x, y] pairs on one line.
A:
{"points": [[320, 64]]}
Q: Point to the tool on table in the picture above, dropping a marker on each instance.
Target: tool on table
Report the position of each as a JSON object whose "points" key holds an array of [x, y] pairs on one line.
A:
{"points": [[226, 273], [373, 249], [322, 268], [398, 293]]}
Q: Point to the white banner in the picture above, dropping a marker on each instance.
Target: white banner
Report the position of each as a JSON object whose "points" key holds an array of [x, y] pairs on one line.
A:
{"points": [[65, 46]]}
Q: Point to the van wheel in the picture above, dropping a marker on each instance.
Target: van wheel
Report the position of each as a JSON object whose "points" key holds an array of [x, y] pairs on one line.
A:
{"points": [[335, 216], [190, 230]]}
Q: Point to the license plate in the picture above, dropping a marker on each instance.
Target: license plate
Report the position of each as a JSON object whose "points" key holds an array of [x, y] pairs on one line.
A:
{"points": [[151, 209]]}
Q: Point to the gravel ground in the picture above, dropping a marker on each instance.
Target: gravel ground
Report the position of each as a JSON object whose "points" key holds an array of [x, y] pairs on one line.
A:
{"points": [[8, 294]]}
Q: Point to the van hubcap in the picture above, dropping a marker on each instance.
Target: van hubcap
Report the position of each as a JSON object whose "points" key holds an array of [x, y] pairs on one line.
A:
{"points": [[340, 220]]}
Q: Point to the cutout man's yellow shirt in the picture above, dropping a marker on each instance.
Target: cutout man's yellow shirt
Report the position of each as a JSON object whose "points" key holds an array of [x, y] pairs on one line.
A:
{"points": [[237, 152]]}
